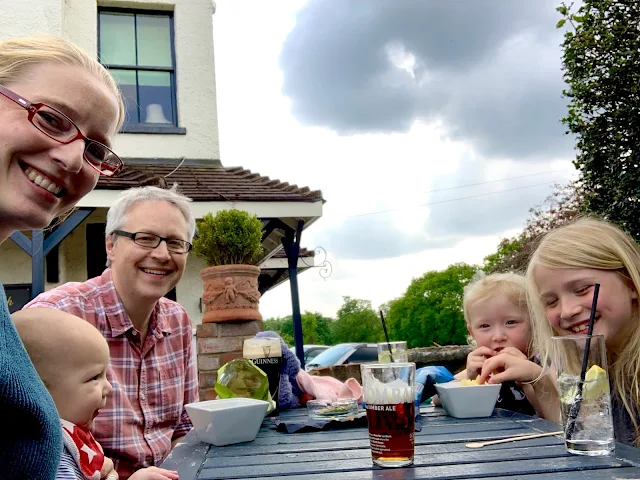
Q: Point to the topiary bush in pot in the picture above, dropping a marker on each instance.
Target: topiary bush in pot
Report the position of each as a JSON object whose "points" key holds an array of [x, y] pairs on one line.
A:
{"points": [[230, 243]]}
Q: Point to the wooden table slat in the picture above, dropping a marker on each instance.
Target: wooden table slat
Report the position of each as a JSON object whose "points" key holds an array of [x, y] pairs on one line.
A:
{"points": [[363, 462], [458, 471], [432, 456], [279, 446], [428, 430]]}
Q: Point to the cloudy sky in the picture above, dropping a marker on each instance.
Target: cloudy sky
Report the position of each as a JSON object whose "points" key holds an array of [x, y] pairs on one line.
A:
{"points": [[430, 126]]}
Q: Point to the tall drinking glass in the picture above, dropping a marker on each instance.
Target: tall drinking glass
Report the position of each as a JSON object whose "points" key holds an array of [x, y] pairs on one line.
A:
{"points": [[389, 390], [592, 433], [398, 352]]}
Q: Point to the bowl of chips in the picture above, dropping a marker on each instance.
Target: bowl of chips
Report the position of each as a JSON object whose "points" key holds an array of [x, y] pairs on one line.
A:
{"points": [[468, 399]]}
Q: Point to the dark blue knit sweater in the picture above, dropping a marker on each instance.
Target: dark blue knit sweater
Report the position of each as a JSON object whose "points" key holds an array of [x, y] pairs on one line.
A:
{"points": [[30, 439]]}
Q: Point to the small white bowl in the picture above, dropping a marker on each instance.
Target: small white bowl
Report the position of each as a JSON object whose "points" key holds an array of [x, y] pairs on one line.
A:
{"points": [[228, 420], [469, 401]]}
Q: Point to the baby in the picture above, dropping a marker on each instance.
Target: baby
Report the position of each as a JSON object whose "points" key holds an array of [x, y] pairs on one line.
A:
{"points": [[71, 357]]}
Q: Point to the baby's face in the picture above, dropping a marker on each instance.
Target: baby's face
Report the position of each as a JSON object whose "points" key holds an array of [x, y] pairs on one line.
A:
{"points": [[497, 323], [81, 388]]}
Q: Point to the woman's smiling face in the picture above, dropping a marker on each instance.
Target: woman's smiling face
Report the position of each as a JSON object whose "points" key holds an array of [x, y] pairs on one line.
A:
{"points": [[40, 177]]}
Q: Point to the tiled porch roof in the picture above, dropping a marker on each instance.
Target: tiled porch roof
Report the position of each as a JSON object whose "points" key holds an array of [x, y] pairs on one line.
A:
{"points": [[202, 183]]}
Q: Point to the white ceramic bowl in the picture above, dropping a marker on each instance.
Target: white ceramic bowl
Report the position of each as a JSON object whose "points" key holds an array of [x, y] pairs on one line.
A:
{"points": [[468, 401], [228, 420]]}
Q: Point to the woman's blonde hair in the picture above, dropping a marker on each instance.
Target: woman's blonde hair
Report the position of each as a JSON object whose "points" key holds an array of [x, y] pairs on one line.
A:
{"points": [[592, 244], [483, 287], [17, 55]]}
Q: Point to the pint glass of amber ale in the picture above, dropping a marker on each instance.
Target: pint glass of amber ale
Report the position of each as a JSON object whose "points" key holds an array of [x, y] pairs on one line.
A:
{"points": [[389, 390]]}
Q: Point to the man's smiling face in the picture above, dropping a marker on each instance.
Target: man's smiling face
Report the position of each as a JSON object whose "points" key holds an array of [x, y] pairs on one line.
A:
{"points": [[148, 273]]}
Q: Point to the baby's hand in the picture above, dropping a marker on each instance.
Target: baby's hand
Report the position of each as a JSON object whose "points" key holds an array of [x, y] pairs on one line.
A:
{"points": [[107, 470], [476, 359], [509, 365], [154, 473]]}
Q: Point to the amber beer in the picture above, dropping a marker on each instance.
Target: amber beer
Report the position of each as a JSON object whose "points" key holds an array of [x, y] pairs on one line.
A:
{"points": [[389, 391], [391, 430]]}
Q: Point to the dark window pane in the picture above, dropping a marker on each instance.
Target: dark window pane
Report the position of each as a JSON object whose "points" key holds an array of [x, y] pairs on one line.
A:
{"points": [[117, 39], [364, 354], [127, 81], [155, 97], [154, 41], [96, 250]]}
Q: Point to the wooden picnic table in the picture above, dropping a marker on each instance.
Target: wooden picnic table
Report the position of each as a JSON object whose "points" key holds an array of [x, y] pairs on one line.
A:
{"points": [[440, 452]]}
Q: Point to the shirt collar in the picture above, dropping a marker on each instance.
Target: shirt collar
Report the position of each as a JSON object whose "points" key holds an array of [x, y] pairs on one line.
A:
{"points": [[118, 317]]}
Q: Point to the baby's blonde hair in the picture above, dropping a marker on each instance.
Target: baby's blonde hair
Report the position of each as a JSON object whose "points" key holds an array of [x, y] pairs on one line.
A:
{"points": [[17, 55], [483, 287], [591, 244]]}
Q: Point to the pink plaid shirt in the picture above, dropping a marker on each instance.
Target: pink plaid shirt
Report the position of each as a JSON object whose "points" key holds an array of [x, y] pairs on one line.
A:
{"points": [[151, 382]]}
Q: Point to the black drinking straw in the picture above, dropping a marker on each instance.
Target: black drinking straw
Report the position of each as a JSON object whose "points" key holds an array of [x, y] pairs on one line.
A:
{"points": [[575, 407], [386, 335]]}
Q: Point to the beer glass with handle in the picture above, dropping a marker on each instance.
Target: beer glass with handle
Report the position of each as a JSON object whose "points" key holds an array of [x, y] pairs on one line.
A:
{"points": [[389, 391]]}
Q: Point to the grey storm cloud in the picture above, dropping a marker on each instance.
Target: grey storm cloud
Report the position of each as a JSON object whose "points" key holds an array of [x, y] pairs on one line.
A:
{"points": [[489, 71]]}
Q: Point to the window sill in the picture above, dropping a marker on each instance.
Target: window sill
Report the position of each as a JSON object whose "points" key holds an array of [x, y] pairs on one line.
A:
{"points": [[156, 129]]}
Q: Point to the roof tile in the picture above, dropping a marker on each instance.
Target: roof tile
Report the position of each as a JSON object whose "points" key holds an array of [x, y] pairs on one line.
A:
{"points": [[211, 183]]}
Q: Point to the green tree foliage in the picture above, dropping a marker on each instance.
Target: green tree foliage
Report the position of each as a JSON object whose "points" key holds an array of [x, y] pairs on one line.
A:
{"points": [[316, 329], [431, 309], [357, 322], [601, 63]]}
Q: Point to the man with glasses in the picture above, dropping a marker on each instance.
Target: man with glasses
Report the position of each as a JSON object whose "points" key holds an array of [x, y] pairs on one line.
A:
{"points": [[152, 368]]}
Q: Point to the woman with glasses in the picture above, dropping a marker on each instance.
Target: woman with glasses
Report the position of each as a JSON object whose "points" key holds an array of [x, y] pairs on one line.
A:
{"points": [[59, 112]]}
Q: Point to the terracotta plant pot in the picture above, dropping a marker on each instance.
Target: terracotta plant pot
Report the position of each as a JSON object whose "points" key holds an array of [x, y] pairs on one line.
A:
{"points": [[230, 293]]}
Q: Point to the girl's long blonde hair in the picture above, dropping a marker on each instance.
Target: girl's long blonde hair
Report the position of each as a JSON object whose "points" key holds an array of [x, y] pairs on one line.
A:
{"points": [[599, 245], [17, 55]]}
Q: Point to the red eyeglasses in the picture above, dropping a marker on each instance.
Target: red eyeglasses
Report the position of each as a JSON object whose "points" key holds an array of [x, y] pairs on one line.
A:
{"points": [[56, 125]]}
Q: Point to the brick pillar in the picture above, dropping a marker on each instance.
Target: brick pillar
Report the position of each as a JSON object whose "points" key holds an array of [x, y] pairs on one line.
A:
{"points": [[218, 343]]}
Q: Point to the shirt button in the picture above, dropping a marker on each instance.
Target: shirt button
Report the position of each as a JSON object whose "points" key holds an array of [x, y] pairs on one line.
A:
{"points": [[142, 396]]}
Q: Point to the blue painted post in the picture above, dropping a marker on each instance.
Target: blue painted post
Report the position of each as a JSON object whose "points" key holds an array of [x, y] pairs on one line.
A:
{"points": [[65, 228], [22, 241], [291, 243], [38, 247], [37, 263]]}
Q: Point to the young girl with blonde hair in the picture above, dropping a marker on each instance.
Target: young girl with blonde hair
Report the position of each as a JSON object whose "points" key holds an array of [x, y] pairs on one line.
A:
{"points": [[497, 317], [560, 284]]}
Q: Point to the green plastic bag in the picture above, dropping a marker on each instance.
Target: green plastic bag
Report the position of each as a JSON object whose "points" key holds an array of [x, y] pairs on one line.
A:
{"points": [[241, 378]]}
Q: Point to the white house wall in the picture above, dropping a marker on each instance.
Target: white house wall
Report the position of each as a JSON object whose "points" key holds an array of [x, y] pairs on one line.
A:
{"points": [[77, 20], [30, 17]]}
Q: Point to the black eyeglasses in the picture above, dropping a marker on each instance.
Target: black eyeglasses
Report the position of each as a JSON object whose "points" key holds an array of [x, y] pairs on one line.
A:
{"points": [[59, 127], [151, 240]]}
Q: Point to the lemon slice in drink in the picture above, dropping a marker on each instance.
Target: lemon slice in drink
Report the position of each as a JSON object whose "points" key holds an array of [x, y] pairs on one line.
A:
{"points": [[595, 373], [596, 382]]}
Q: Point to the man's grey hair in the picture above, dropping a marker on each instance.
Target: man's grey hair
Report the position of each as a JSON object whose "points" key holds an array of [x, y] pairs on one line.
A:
{"points": [[117, 214]]}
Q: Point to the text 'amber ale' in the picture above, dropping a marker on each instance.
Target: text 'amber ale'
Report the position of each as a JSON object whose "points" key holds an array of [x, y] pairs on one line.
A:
{"points": [[391, 432]]}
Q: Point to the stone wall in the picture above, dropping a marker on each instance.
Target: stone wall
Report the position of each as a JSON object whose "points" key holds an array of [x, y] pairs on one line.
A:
{"points": [[453, 357]]}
